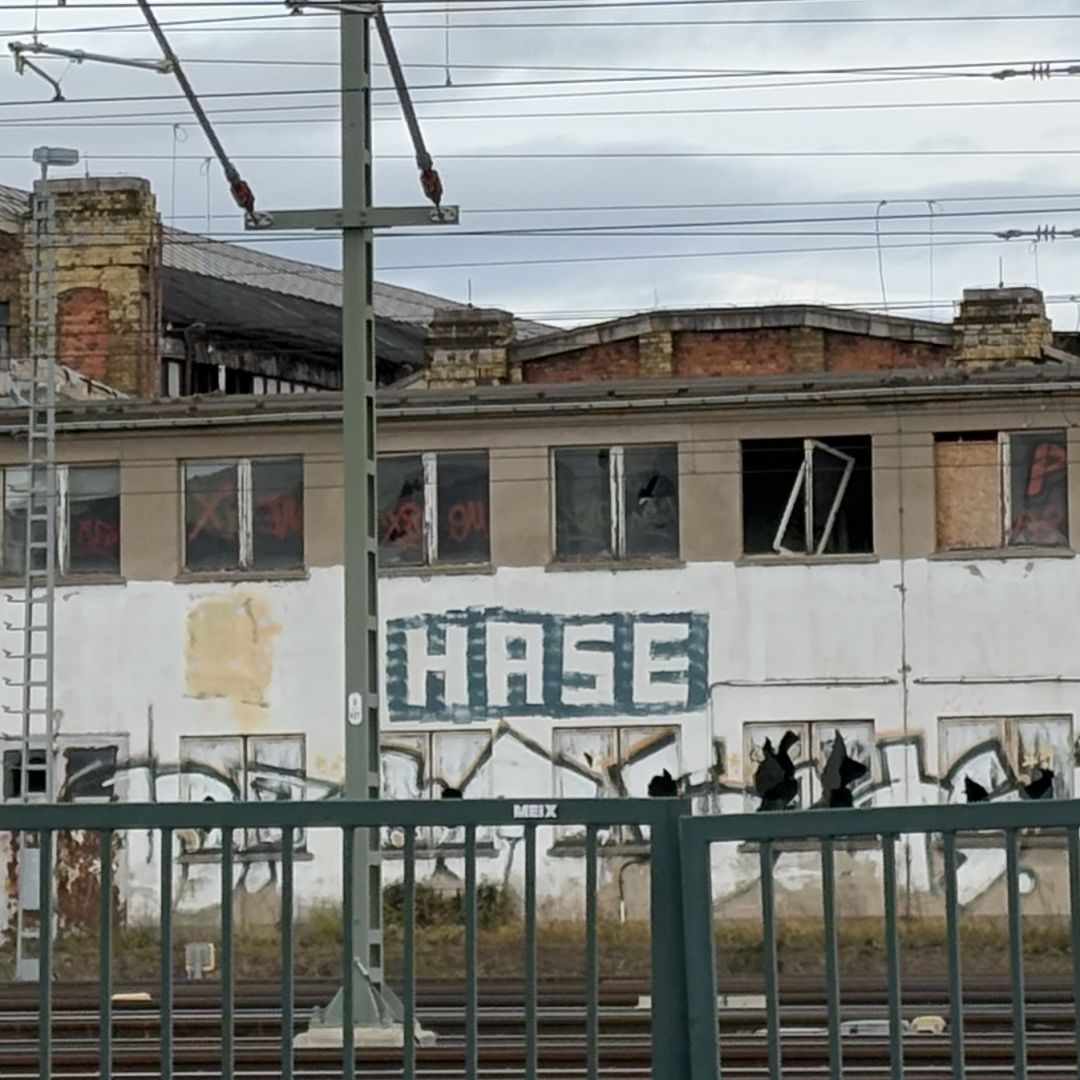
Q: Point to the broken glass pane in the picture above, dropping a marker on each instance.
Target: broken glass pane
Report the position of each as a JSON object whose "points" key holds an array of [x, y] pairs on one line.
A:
{"points": [[972, 749], [401, 511], [89, 773], [858, 736], [277, 500], [94, 519], [1044, 742], [582, 504], [1038, 484], [463, 508], [651, 493], [211, 516]]}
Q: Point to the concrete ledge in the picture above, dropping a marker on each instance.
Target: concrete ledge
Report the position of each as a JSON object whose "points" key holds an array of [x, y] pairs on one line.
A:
{"points": [[371, 1035]]}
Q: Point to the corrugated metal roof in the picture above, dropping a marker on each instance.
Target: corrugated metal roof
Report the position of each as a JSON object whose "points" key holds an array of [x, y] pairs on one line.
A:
{"points": [[244, 266], [13, 206]]}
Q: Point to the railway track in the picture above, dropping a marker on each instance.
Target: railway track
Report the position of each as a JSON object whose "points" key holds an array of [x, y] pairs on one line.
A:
{"points": [[624, 1031]]}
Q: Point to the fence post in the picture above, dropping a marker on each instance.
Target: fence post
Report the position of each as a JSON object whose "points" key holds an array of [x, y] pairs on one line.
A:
{"points": [[670, 1012]]}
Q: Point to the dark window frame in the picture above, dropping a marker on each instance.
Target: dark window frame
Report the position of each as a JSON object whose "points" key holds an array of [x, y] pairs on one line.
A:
{"points": [[619, 546], [247, 510], [435, 528]]}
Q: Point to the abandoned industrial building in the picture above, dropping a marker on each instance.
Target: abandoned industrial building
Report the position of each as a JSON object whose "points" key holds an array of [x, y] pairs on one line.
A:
{"points": [[651, 543]]}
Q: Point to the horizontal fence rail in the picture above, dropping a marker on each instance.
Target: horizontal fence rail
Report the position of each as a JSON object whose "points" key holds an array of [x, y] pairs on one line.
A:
{"points": [[886, 826], [44, 824]]}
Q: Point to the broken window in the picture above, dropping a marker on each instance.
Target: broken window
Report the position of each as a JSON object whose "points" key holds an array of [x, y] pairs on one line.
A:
{"points": [[245, 514], [1001, 489], [434, 508], [90, 773], [617, 502], [241, 768], [809, 753], [36, 773], [984, 756], [88, 509], [807, 496]]}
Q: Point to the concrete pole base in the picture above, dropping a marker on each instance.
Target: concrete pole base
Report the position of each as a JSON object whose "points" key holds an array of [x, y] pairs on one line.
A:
{"points": [[390, 1035]]}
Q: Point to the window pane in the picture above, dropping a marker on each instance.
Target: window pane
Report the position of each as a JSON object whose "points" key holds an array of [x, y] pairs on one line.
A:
{"points": [[842, 483], [1039, 488], [211, 516], [582, 503], [89, 773], [277, 501], [771, 469], [274, 773], [401, 511], [94, 520], [463, 508], [651, 494], [16, 483]]}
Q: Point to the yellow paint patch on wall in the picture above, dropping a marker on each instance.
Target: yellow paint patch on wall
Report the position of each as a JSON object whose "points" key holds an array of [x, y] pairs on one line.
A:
{"points": [[230, 654]]}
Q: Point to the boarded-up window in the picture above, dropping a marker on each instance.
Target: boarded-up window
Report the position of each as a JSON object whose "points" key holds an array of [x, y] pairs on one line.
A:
{"points": [[1001, 489], [1001, 753], [241, 768], [82, 332]]}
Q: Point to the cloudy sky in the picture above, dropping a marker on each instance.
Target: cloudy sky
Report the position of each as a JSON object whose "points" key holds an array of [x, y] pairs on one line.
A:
{"points": [[703, 153]]}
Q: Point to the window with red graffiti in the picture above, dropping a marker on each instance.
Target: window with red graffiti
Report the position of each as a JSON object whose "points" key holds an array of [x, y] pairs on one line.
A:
{"points": [[245, 514], [93, 520], [88, 519], [434, 508], [1001, 489], [617, 502]]}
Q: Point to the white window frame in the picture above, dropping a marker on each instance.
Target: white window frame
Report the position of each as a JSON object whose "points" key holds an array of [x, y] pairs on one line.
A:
{"points": [[63, 524], [804, 483], [616, 489], [245, 510]]}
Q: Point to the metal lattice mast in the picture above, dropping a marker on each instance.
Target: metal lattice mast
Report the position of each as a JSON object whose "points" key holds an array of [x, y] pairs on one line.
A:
{"points": [[40, 538]]}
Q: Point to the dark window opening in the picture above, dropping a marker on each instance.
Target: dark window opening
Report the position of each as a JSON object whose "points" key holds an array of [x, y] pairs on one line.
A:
{"points": [[807, 496], [90, 773], [36, 765], [205, 378], [239, 382], [651, 496], [94, 520]]}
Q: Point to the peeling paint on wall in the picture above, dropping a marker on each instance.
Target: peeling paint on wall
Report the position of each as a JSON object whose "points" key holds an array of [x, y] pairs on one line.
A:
{"points": [[230, 654]]}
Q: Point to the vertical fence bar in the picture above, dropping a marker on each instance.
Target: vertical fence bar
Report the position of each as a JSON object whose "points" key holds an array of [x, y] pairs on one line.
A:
{"points": [[698, 952], [832, 978], [45, 845], [165, 1060], [892, 958], [531, 1062], [768, 932], [592, 1024], [105, 955], [348, 1032], [471, 1010], [408, 917], [1074, 899], [227, 1033], [288, 1015], [1016, 952], [952, 936]]}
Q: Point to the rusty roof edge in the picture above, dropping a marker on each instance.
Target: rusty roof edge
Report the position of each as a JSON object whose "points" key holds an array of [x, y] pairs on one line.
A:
{"points": [[780, 316], [325, 407]]}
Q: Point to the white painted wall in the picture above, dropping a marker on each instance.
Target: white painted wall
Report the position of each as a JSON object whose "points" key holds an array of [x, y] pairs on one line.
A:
{"points": [[261, 658]]}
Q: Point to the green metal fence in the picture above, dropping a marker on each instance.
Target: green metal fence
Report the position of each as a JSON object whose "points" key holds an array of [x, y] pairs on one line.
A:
{"points": [[771, 831], [660, 817]]}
